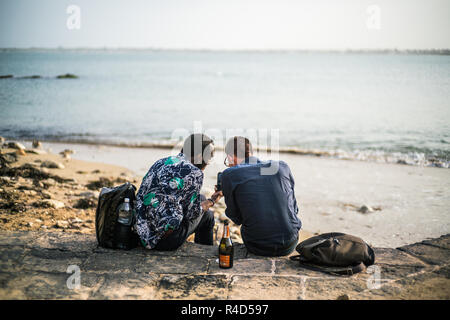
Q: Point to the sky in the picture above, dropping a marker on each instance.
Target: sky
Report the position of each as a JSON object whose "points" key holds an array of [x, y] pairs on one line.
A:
{"points": [[227, 24]]}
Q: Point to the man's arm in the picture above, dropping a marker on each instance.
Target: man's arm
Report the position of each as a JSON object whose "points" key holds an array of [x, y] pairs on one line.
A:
{"points": [[232, 211], [291, 178]]}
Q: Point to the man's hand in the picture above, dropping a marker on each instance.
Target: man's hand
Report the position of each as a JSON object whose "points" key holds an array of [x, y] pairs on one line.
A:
{"points": [[217, 196]]}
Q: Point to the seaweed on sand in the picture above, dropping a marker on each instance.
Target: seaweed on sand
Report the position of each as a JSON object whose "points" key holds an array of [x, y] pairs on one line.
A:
{"points": [[11, 201], [29, 171], [104, 182]]}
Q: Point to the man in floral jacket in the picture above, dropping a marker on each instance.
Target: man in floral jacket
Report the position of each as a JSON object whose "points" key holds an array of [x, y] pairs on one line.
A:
{"points": [[169, 206]]}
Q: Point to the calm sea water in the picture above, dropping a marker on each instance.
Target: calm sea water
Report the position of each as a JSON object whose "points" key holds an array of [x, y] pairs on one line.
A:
{"points": [[366, 106]]}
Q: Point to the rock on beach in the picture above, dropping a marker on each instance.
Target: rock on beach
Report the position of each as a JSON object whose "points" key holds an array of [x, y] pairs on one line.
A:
{"points": [[66, 153], [36, 151], [16, 145], [365, 209], [36, 144], [53, 203], [52, 165]]}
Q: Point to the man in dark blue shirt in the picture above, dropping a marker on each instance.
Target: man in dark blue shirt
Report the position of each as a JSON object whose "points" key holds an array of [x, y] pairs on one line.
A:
{"points": [[260, 196]]}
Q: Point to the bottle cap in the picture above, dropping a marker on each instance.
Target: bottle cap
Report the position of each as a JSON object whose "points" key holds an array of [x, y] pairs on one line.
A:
{"points": [[127, 200]]}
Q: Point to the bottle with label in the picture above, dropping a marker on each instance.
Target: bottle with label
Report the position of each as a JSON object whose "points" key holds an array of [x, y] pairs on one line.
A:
{"points": [[226, 249], [123, 226]]}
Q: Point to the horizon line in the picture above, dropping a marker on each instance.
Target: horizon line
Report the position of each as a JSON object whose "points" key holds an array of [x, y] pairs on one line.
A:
{"points": [[444, 51]]}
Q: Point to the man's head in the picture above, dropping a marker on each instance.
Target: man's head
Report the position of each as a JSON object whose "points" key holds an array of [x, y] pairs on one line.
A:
{"points": [[237, 150], [198, 149]]}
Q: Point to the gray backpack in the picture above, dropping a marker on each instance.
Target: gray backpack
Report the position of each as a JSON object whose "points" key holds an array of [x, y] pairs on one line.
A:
{"points": [[335, 253]]}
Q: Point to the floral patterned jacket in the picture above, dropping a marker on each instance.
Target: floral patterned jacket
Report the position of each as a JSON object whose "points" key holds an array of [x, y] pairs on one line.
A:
{"points": [[168, 194]]}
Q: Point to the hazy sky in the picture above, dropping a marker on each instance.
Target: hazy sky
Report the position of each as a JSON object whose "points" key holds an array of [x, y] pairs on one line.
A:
{"points": [[228, 24]]}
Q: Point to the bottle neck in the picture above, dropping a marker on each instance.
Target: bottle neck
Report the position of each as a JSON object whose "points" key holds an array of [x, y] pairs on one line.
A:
{"points": [[226, 231]]}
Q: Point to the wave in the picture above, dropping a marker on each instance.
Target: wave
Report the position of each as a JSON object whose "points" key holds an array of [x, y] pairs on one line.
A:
{"points": [[381, 156], [414, 158]]}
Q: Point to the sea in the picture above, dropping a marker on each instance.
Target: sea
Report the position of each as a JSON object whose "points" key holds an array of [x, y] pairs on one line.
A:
{"points": [[371, 106]]}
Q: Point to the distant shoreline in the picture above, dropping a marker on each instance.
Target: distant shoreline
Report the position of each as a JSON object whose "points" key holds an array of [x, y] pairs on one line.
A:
{"points": [[443, 51]]}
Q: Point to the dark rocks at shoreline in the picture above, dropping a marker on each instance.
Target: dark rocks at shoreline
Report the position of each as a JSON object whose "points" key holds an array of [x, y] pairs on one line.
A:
{"points": [[67, 76], [36, 76], [10, 76]]}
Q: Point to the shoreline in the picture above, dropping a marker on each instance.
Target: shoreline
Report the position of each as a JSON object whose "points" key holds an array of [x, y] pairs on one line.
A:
{"points": [[377, 156]]}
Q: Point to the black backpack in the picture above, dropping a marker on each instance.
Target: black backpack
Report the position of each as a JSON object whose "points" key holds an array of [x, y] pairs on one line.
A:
{"points": [[107, 213], [335, 253]]}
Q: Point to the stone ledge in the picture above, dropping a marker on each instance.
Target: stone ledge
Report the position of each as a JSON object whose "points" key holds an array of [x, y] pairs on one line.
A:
{"points": [[34, 266]]}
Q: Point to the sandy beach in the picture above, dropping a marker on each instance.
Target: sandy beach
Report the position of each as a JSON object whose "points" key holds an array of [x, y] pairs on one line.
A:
{"points": [[62, 201], [388, 205]]}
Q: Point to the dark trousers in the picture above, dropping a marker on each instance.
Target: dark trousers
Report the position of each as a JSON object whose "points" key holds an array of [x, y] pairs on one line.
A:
{"points": [[273, 251], [203, 227]]}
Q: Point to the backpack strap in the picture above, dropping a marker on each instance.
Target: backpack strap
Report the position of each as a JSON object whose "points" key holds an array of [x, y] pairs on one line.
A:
{"points": [[350, 270], [295, 258]]}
